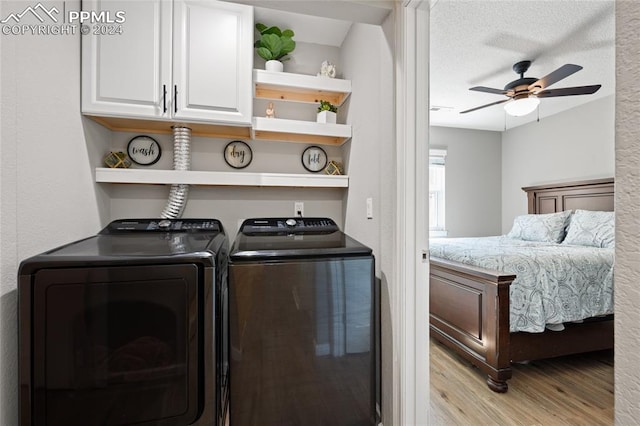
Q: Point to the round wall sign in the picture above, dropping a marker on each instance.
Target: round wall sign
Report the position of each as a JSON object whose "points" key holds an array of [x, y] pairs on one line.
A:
{"points": [[144, 150], [238, 154], [314, 159]]}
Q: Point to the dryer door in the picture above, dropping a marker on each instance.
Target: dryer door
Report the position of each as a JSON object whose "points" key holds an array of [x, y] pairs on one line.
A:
{"points": [[116, 345]]}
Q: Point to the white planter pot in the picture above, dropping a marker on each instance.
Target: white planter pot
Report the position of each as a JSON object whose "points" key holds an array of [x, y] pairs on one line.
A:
{"points": [[274, 65], [326, 117]]}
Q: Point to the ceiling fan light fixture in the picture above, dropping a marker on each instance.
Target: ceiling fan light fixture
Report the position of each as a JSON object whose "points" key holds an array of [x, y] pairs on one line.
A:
{"points": [[522, 106]]}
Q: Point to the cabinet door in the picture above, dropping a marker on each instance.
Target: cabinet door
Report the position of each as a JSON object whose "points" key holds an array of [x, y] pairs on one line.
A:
{"points": [[125, 74], [212, 61]]}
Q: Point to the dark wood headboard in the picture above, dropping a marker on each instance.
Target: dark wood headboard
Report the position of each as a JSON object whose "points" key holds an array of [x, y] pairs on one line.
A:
{"points": [[596, 194]]}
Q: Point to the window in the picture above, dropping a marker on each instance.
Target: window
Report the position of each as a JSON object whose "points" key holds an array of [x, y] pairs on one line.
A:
{"points": [[436, 192]]}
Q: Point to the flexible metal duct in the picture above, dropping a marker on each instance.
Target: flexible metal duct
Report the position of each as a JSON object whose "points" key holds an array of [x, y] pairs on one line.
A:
{"points": [[181, 161]]}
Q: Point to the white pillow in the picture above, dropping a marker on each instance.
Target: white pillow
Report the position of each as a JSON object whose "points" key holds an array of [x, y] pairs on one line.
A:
{"points": [[548, 228], [591, 228]]}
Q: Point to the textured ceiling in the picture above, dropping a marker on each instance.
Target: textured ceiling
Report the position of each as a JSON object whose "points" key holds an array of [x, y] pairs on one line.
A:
{"points": [[476, 43]]}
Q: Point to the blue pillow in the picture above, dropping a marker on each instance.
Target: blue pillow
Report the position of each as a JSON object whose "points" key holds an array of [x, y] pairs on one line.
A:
{"points": [[591, 228], [549, 228]]}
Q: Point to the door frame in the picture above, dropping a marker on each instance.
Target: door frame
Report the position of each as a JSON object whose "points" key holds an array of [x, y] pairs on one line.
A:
{"points": [[411, 299]]}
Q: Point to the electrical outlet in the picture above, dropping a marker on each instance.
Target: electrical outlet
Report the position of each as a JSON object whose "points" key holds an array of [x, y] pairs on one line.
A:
{"points": [[298, 209]]}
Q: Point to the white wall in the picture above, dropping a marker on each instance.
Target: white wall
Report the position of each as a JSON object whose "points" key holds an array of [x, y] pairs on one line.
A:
{"points": [[307, 58], [369, 113], [231, 205], [473, 190], [47, 191], [627, 299], [573, 145], [370, 165]]}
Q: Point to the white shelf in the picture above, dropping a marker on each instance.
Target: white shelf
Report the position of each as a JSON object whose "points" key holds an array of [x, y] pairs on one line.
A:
{"points": [[279, 129], [165, 177], [287, 86]]}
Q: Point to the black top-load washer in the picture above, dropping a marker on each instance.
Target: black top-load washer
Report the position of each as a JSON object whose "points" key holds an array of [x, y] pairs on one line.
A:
{"points": [[127, 327], [302, 325]]}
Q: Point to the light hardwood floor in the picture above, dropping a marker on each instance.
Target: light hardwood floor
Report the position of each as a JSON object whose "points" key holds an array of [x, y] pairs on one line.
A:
{"points": [[575, 390]]}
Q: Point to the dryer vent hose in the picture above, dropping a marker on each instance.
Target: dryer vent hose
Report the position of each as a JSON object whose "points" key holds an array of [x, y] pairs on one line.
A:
{"points": [[181, 161]]}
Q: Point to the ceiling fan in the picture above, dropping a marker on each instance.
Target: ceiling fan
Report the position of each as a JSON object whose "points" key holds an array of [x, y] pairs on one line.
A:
{"points": [[524, 93]]}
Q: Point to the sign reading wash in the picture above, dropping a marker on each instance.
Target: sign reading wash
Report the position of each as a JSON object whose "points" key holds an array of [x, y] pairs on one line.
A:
{"points": [[55, 19]]}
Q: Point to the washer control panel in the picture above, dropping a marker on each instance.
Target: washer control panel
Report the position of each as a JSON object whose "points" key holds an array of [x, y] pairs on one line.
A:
{"points": [[290, 225], [162, 225]]}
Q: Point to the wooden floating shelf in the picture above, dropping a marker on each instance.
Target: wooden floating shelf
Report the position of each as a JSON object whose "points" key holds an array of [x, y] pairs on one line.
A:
{"points": [[267, 85], [299, 87], [192, 177], [135, 125], [278, 129]]}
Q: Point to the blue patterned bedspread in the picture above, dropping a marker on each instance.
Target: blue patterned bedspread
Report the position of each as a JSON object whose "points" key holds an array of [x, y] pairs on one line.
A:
{"points": [[555, 283]]}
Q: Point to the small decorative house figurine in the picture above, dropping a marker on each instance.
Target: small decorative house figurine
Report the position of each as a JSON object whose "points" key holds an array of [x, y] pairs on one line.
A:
{"points": [[327, 69], [271, 112]]}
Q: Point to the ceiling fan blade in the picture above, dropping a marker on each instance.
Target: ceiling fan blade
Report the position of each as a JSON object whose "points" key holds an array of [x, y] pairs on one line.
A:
{"points": [[489, 90], [484, 106], [557, 75], [569, 91]]}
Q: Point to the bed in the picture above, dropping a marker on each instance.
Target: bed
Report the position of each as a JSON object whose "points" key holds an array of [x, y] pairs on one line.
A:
{"points": [[470, 308]]}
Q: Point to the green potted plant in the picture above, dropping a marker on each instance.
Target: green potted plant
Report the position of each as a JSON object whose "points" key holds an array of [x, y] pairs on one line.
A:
{"points": [[274, 45], [327, 112]]}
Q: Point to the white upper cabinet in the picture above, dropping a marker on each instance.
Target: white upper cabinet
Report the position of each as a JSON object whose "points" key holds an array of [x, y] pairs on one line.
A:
{"points": [[123, 74], [213, 61], [183, 60]]}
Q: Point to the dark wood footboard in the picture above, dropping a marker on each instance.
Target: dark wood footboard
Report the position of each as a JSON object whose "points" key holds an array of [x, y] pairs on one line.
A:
{"points": [[469, 312]]}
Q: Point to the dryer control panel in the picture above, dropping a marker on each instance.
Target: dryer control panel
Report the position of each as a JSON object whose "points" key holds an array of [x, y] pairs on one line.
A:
{"points": [[289, 225], [162, 225]]}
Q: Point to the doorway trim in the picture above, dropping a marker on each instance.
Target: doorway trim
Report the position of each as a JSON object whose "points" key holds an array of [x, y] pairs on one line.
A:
{"points": [[411, 301]]}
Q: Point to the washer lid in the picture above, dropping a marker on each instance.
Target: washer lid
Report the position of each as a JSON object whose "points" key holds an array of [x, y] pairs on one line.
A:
{"points": [[137, 244], [137, 238]]}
